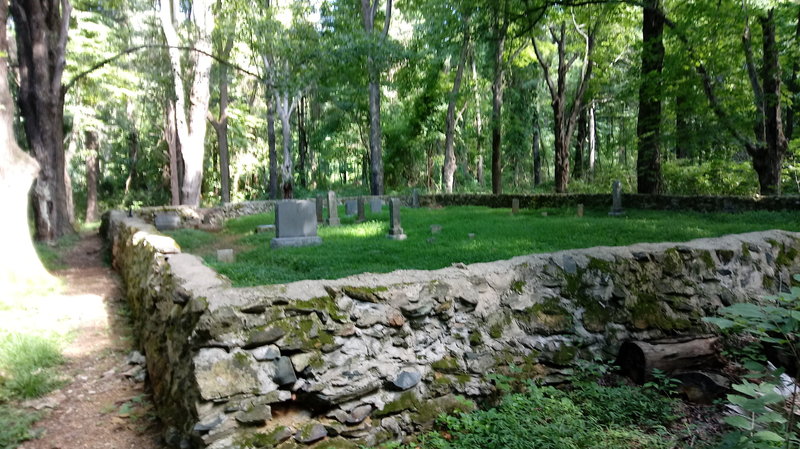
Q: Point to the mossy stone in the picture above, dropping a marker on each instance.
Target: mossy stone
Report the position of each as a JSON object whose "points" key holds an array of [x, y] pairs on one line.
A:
{"points": [[406, 401], [446, 365], [647, 313], [367, 294]]}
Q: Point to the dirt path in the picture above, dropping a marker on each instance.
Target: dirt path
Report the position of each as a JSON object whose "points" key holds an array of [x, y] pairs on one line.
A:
{"points": [[102, 405]]}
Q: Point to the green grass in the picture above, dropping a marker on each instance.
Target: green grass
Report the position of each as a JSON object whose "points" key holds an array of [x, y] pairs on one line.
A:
{"points": [[16, 426], [357, 248], [548, 418]]}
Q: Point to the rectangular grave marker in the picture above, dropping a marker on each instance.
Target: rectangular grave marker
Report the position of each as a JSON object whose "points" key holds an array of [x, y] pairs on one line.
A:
{"points": [[415, 198], [295, 224], [333, 209], [375, 204], [362, 215], [225, 255], [395, 230], [616, 199], [514, 206], [350, 207]]}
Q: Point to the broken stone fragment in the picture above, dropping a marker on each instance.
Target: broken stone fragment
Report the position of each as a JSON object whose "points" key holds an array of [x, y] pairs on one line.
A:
{"points": [[258, 415], [407, 379], [264, 337], [210, 423], [358, 414], [311, 432], [284, 372], [266, 353]]}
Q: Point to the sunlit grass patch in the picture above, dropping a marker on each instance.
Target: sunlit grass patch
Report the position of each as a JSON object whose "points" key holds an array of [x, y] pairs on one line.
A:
{"points": [[27, 365]]}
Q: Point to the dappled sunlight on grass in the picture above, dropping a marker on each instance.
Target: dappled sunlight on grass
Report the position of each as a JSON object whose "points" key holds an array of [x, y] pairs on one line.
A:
{"points": [[357, 248]]}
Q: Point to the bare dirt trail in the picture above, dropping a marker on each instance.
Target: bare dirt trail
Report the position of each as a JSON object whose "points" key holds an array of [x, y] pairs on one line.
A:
{"points": [[102, 405]]}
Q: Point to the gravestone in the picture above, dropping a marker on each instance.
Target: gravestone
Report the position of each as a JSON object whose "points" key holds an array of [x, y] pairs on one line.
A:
{"points": [[167, 221], [225, 255], [375, 204], [320, 203], [616, 200], [415, 198], [515, 206], [436, 229], [395, 230], [295, 224], [580, 210], [362, 215], [350, 207], [333, 209], [265, 228]]}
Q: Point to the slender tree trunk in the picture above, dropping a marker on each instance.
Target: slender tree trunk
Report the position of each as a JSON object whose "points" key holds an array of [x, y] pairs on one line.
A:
{"points": [[478, 126], [592, 140], [368, 12], [683, 131], [537, 158], [221, 124], [17, 172], [41, 34], [794, 86], [191, 130], [501, 31], [449, 151], [173, 144], [648, 128], [285, 107], [133, 159], [580, 144], [92, 173], [302, 141], [273, 152]]}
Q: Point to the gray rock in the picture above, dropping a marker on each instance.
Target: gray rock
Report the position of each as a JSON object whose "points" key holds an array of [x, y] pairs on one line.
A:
{"points": [[284, 372], [135, 358], [266, 353], [407, 379], [418, 309], [302, 360], [310, 433], [225, 256], [210, 423], [258, 415], [264, 337], [358, 414]]}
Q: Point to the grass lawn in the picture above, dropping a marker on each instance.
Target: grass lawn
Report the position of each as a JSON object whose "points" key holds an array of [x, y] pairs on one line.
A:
{"points": [[357, 248]]}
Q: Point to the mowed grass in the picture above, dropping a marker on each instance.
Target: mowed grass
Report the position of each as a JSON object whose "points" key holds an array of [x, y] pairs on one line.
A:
{"points": [[357, 248]]}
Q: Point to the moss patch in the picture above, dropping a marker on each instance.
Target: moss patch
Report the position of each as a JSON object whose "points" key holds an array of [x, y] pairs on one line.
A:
{"points": [[548, 316], [707, 259], [446, 365], [367, 294], [324, 304], [517, 286], [406, 401], [648, 313]]}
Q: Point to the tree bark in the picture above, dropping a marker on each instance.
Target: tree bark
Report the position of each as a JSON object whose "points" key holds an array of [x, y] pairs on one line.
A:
{"points": [[92, 173], [302, 141], [41, 34], [648, 128], [592, 140], [191, 130], [273, 152], [478, 126], [449, 151], [794, 86], [285, 107], [501, 32], [580, 144], [133, 159], [173, 145], [18, 171], [368, 12], [221, 124], [537, 154]]}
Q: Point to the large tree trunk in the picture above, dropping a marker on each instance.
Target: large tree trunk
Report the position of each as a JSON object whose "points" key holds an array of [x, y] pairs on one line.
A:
{"points": [[173, 145], [592, 140], [273, 152], [302, 141], [17, 173], [580, 144], [92, 173], [501, 31], [191, 131], [478, 126], [41, 30], [285, 109], [648, 128], [794, 86], [368, 12], [133, 159], [221, 124], [449, 151]]}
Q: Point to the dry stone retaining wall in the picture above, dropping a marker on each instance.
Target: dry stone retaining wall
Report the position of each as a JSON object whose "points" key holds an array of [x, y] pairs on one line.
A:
{"points": [[375, 357]]}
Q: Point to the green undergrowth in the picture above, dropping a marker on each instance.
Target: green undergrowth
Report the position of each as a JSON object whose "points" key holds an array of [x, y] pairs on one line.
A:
{"points": [[357, 248], [585, 415]]}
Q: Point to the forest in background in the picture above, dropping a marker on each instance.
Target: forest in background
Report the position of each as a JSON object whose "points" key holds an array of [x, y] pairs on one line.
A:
{"points": [[209, 101]]}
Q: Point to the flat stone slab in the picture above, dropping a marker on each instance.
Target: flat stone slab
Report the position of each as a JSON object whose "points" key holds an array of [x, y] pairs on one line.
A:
{"points": [[264, 228], [167, 221], [283, 242]]}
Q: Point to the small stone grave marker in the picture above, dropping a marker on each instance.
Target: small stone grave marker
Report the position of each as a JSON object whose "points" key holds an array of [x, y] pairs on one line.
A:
{"points": [[362, 215], [544, 214], [265, 228], [616, 200], [295, 224], [320, 203], [436, 229], [333, 209], [415, 198], [225, 255], [350, 207], [515, 206], [167, 221], [375, 204], [471, 235], [395, 230], [580, 210]]}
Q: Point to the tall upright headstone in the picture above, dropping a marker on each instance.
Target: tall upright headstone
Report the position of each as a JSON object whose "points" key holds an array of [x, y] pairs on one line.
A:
{"points": [[414, 198], [320, 203], [395, 230], [333, 209], [361, 206], [515, 206], [616, 199], [375, 204], [295, 224], [580, 210]]}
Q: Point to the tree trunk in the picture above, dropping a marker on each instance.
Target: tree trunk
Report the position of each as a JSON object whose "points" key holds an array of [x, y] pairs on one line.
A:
{"points": [[478, 126], [41, 33], [221, 124], [191, 131], [133, 158], [648, 128], [580, 144], [638, 359], [302, 141], [92, 173], [794, 86], [286, 107], [173, 144], [537, 158], [273, 152], [449, 151], [368, 11], [501, 30], [592, 140], [17, 172]]}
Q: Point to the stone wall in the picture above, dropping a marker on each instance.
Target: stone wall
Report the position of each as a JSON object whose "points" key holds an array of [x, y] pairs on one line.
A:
{"points": [[375, 357]]}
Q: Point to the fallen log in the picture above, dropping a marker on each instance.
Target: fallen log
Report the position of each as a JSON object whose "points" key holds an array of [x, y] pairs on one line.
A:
{"points": [[638, 359]]}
